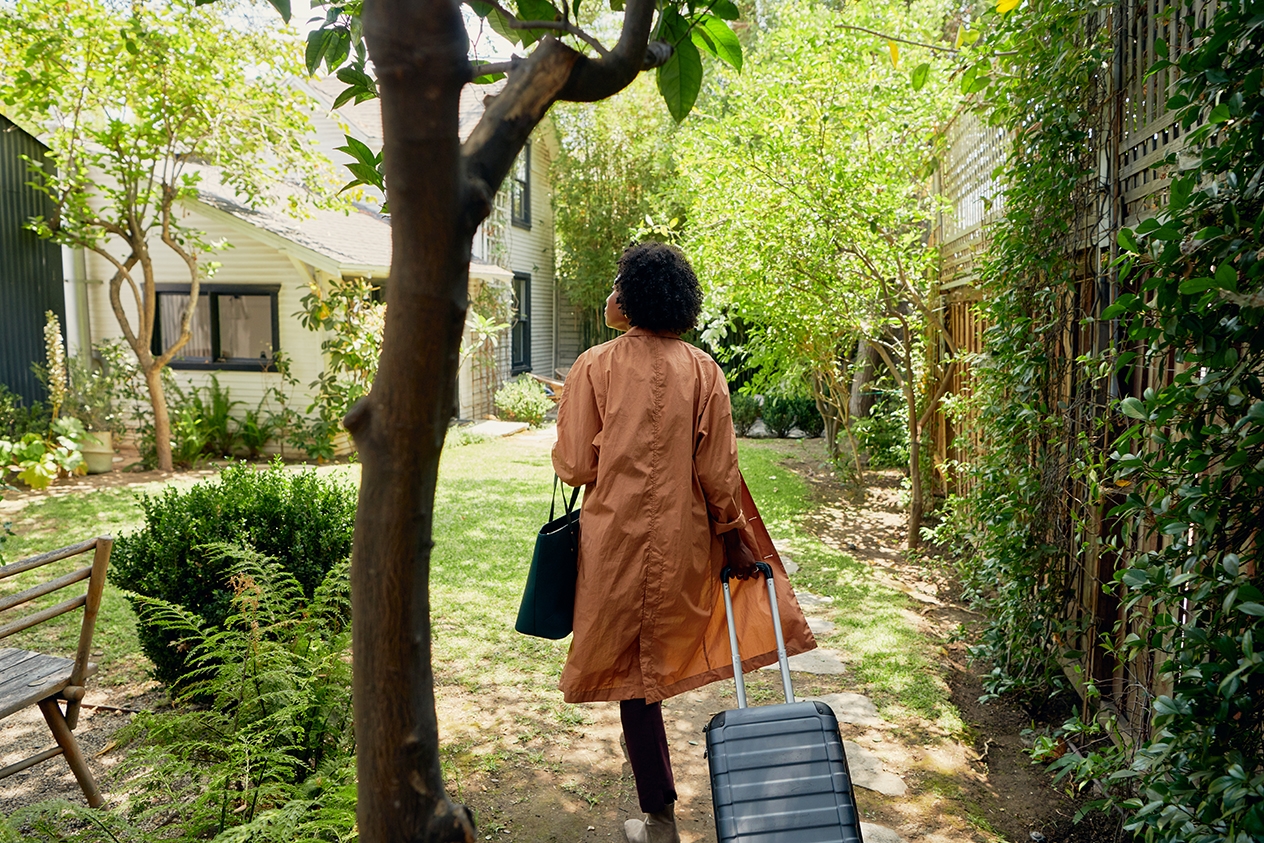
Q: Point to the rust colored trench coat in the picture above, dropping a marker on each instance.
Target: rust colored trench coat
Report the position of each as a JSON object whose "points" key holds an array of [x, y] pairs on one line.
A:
{"points": [[645, 425]]}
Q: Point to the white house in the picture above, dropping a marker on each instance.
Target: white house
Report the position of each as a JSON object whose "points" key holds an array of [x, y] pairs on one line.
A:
{"points": [[248, 310]]}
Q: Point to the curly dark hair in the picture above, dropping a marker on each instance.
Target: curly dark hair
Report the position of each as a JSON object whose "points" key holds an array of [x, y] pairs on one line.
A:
{"points": [[657, 288]]}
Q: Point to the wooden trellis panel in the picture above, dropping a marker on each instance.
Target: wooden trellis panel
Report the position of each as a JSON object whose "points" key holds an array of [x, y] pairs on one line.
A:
{"points": [[1129, 131]]}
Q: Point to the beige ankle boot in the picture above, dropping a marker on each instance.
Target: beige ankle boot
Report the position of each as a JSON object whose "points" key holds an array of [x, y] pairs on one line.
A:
{"points": [[655, 828]]}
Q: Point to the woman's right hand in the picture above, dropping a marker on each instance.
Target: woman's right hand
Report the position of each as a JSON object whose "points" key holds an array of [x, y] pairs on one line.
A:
{"points": [[740, 559]]}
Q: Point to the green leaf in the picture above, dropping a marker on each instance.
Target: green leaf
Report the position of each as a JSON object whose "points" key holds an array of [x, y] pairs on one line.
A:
{"points": [[317, 43], [727, 48], [616, 5], [680, 79], [1253, 609], [360, 151], [1160, 48], [1219, 114], [1226, 276], [1133, 409], [725, 10], [1128, 241], [500, 24], [919, 76], [537, 10], [1193, 286], [282, 6]]}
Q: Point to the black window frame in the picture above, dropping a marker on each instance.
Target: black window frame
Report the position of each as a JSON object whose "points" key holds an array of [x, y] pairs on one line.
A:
{"points": [[520, 340], [520, 189], [212, 293]]}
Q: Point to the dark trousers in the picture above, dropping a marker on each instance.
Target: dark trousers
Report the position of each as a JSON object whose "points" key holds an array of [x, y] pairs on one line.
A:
{"points": [[647, 751]]}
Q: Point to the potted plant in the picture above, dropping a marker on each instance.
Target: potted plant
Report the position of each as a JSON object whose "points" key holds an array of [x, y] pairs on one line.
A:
{"points": [[91, 399]]}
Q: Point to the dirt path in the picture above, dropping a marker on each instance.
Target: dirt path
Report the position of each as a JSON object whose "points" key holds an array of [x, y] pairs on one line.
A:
{"points": [[528, 778]]}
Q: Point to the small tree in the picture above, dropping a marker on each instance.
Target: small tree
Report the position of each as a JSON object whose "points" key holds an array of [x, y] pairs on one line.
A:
{"points": [[809, 214], [134, 99], [616, 168]]}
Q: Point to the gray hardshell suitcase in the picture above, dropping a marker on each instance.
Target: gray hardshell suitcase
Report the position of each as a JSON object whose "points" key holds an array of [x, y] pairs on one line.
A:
{"points": [[778, 772]]}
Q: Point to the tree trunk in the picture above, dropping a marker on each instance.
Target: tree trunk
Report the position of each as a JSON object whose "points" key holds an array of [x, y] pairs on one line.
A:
{"points": [[866, 361], [916, 500], [162, 421], [419, 50]]}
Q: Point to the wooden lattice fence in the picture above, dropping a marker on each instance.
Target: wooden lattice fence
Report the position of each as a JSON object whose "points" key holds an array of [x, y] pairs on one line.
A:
{"points": [[1130, 131]]}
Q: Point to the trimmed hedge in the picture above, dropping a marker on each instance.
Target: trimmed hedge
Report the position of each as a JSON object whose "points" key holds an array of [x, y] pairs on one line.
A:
{"points": [[745, 412], [297, 518]]}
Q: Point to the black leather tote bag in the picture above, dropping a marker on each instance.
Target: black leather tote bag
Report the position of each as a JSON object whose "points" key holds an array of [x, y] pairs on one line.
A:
{"points": [[548, 601]]}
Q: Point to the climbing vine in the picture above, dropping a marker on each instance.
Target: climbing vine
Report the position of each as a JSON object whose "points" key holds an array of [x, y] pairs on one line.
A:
{"points": [[1177, 469]]}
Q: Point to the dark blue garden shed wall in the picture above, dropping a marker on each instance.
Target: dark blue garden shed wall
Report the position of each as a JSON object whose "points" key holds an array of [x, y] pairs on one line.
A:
{"points": [[30, 268]]}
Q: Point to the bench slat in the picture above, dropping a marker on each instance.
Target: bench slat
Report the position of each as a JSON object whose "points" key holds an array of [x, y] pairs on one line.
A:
{"points": [[39, 617], [21, 565], [38, 678], [44, 588]]}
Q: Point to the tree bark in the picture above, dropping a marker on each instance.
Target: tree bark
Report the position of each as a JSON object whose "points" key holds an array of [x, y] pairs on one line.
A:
{"points": [[861, 400], [419, 51], [439, 192], [162, 421]]}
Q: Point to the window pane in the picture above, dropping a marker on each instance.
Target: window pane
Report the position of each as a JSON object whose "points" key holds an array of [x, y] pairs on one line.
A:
{"points": [[170, 309], [245, 327]]}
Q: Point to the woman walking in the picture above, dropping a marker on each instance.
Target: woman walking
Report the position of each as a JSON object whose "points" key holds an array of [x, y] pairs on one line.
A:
{"points": [[645, 424]]}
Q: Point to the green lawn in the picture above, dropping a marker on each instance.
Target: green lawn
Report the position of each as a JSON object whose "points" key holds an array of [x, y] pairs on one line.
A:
{"points": [[894, 663], [492, 498]]}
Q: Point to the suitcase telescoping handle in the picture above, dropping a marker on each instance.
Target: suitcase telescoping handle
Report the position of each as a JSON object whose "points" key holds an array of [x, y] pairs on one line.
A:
{"points": [[782, 659]]}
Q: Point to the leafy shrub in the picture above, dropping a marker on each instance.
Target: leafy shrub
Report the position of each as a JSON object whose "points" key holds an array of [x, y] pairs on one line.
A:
{"points": [[17, 419], [37, 460], [212, 405], [745, 411], [256, 429], [883, 434], [779, 415], [301, 520], [807, 417], [523, 399]]}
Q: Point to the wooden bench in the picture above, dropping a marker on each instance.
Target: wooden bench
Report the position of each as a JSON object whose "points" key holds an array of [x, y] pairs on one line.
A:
{"points": [[28, 678]]}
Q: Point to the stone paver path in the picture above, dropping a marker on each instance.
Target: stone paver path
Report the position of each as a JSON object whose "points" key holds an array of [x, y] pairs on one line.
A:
{"points": [[849, 707]]}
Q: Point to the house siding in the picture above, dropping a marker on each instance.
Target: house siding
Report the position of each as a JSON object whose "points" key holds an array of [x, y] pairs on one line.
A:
{"points": [[531, 251], [246, 262]]}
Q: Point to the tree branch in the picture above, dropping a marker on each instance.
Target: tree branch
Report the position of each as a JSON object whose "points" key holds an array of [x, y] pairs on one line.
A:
{"points": [[190, 261], [938, 49], [555, 25]]}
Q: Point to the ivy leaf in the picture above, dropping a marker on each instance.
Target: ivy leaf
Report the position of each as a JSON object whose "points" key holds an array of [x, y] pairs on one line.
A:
{"points": [[1227, 277], [1128, 241], [726, 46], [919, 76], [1133, 409], [1004, 7], [680, 79], [1193, 286]]}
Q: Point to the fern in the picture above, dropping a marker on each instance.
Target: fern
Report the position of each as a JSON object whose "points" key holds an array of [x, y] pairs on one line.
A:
{"points": [[261, 734]]}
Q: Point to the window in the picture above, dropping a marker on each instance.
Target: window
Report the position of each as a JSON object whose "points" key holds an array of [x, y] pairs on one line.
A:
{"points": [[520, 356], [232, 328], [520, 189]]}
